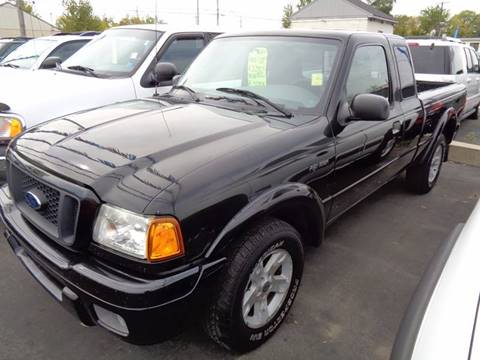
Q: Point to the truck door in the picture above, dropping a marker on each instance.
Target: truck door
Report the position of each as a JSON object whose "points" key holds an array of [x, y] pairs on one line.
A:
{"points": [[474, 78], [179, 49], [372, 70]]}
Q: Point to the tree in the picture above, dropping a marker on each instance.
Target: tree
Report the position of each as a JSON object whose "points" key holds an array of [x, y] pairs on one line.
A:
{"points": [[468, 23], [385, 6], [303, 3], [433, 19], [127, 20], [287, 14], [407, 25], [78, 16]]}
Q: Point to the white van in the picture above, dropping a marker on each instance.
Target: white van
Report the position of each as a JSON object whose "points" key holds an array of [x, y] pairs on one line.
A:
{"points": [[449, 60]]}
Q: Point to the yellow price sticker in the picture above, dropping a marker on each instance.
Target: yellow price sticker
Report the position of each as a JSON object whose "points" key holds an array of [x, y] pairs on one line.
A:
{"points": [[257, 67], [317, 79]]}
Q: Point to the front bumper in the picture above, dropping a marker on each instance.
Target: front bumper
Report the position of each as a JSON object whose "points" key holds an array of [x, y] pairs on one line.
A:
{"points": [[141, 310]]}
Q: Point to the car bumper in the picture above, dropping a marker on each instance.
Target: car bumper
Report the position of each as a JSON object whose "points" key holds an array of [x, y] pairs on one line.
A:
{"points": [[141, 310]]}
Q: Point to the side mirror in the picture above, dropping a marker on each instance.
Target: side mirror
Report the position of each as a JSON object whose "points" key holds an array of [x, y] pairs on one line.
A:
{"points": [[370, 107], [163, 73], [476, 68], [51, 62]]}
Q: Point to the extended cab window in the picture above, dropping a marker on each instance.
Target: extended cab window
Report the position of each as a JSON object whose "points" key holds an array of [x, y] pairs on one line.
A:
{"points": [[182, 52], [405, 70], [368, 73]]}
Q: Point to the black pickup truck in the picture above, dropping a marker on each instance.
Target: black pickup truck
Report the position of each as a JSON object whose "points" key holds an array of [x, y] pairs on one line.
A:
{"points": [[137, 215]]}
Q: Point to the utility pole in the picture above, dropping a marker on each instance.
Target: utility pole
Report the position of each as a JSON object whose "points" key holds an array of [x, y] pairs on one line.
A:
{"points": [[198, 12], [440, 24], [218, 13], [21, 18]]}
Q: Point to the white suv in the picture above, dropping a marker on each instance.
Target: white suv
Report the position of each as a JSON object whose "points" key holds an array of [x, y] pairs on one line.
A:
{"points": [[449, 61]]}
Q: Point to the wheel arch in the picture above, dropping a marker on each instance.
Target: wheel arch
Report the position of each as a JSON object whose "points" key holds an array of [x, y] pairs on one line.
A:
{"points": [[295, 203]]}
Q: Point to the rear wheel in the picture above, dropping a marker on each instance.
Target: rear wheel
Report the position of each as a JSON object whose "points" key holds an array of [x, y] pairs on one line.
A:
{"points": [[258, 286], [422, 177], [476, 113]]}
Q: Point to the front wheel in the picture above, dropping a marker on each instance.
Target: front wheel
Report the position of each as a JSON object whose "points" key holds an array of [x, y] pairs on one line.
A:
{"points": [[258, 287], [422, 177]]}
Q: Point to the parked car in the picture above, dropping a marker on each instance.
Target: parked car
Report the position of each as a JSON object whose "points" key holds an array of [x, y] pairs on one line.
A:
{"points": [[449, 61], [443, 318], [37, 53], [138, 214], [7, 45], [117, 66]]}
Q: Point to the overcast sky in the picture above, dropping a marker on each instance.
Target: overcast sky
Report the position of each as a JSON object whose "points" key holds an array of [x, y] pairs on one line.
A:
{"points": [[234, 13]]}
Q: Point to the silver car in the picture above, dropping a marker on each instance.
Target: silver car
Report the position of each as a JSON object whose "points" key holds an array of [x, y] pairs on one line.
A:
{"points": [[443, 319], [449, 61]]}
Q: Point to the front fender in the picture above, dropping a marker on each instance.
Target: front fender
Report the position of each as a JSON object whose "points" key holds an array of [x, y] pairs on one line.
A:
{"points": [[281, 197]]}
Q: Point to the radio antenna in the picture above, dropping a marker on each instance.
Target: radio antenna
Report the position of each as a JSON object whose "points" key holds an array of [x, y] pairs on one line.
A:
{"points": [[155, 47]]}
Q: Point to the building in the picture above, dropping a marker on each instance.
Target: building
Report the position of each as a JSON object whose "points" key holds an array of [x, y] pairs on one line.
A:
{"points": [[353, 15], [10, 23], [473, 42]]}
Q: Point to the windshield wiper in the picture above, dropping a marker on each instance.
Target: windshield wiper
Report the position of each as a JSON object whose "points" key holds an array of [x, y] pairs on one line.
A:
{"points": [[10, 65], [83, 69], [252, 95], [20, 58], [190, 91]]}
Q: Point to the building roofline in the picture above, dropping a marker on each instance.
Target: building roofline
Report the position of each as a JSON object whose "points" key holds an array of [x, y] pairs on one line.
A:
{"points": [[32, 15]]}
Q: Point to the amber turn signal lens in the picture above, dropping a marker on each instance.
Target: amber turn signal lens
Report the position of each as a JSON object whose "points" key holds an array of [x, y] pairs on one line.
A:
{"points": [[164, 239], [15, 127]]}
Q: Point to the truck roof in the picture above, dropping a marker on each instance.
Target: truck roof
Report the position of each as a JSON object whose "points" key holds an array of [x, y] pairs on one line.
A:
{"points": [[310, 33], [173, 29]]}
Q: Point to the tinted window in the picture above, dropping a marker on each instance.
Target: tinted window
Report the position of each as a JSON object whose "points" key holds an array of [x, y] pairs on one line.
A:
{"points": [[66, 50], [181, 52], [431, 60], [407, 79], [368, 73]]}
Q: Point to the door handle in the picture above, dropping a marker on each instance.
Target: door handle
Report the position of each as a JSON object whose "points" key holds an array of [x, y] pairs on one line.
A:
{"points": [[396, 128]]}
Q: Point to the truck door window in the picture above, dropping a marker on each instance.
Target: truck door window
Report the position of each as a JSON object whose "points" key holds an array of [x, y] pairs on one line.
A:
{"points": [[182, 52], [368, 73], [405, 70]]}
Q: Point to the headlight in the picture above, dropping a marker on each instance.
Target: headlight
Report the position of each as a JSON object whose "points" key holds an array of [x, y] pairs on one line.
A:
{"points": [[145, 237], [10, 126]]}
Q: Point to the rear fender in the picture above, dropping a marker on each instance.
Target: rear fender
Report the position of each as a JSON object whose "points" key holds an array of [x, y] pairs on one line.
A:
{"points": [[447, 123], [285, 199]]}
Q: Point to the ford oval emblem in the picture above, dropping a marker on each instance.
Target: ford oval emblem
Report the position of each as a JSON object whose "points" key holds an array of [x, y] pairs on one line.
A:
{"points": [[34, 200]]}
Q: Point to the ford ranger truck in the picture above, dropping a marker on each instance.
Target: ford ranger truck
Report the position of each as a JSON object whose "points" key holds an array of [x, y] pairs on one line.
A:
{"points": [[202, 201]]}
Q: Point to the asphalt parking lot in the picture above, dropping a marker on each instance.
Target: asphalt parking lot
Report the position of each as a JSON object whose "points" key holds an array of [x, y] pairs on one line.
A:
{"points": [[354, 292]]}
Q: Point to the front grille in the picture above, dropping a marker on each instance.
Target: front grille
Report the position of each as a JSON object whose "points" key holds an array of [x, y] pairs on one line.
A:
{"points": [[57, 217], [50, 212]]}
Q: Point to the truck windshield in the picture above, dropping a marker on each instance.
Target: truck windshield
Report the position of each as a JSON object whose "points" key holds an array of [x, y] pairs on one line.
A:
{"points": [[291, 72], [116, 53], [26, 55], [431, 60]]}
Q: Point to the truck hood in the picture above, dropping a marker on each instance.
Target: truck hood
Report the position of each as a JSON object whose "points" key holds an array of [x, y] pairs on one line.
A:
{"points": [[129, 152], [41, 95]]}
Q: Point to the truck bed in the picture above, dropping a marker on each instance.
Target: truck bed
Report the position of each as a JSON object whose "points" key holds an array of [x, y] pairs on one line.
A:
{"points": [[434, 91]]}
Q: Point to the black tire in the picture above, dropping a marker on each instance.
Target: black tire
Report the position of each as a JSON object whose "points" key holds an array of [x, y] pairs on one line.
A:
{"points": [[225, 322], [476, 114], [418, 174]]}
